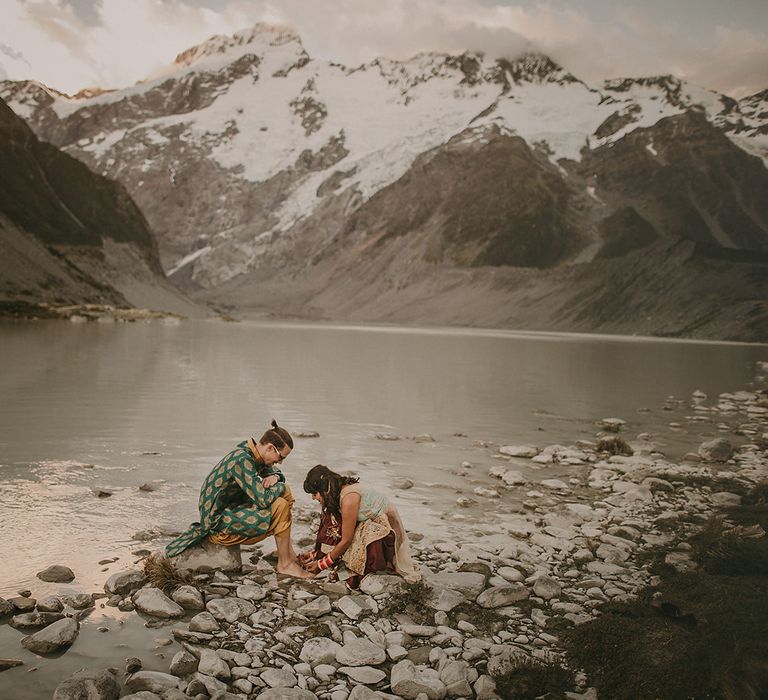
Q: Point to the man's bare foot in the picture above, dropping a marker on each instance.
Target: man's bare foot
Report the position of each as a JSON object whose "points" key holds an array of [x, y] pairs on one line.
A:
{"points": [[293, 569]]}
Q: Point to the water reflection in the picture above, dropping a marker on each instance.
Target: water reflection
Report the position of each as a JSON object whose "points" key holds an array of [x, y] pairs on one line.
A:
{"points": [[107, 395]]}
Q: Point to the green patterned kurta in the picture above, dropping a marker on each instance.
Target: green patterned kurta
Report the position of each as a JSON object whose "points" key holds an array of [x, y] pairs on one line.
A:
{"points": [[233, 500]]}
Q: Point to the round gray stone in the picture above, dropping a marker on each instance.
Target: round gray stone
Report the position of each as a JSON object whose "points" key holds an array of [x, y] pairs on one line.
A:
{"points": [[90, 684], [230, 609], [361, 652], [499, 596], [319, 650], [152, 601], [124, 582], [54, 637], [56, 574], [189, 598]]}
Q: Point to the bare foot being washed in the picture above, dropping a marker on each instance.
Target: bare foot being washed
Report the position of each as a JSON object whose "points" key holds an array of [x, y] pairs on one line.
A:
{"points": [[293, 569]]}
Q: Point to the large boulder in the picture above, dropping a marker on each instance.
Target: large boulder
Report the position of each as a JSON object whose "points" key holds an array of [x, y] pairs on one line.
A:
{"points": [[208, 685], [230, 609], [363, 674], [208, 556], [56, 636], [79, 601], [526, 451], [316, 608], [51, 603], [319, 650], [409, 681], [717, 450], [87, 684], [34, 619], [376, 584], [279, 678], [123, 582], [468, 583], [724, 499], [513, 478], [286, 694], [152, 601], [455, 677], [183, 663], [56, 574], [189, 598], [211, 664], [445, 599], [500, 596], [361, 652], [153, 681], [361, 692], [547, 588], [251, 592], [485, 688], [204, 622], [352, 606]]}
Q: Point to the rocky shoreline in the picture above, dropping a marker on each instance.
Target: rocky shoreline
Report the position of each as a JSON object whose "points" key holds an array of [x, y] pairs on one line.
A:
{"points": [[490, 606], [80, 313]]}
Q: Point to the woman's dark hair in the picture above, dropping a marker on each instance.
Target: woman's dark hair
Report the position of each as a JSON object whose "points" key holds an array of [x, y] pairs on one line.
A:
{"points": [[328, 484], [278, 436]]}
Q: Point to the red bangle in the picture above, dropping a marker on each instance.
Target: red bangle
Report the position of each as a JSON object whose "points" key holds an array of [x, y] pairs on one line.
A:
{"points": [[325, 563]]}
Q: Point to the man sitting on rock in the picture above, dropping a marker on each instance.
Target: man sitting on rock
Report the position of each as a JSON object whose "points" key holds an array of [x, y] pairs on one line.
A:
{"points": [[245, 499]]}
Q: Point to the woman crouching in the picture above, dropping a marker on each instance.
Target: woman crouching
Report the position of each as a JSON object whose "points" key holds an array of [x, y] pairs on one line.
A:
{"points": [[360, 530]]}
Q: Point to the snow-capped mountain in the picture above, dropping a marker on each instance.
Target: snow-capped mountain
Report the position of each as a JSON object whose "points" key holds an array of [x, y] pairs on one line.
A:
{"points": [[70, 236], [248, 157]]}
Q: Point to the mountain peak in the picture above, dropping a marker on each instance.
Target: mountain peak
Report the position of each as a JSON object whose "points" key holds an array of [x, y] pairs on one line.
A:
{"points": [[536, 67], [255, 39], [668, 85]]}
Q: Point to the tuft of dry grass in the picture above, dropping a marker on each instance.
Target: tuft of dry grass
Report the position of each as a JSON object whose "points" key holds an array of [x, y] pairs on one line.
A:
{"points": [[614, 445], [758, 495], [163, 574], [711, 540]]}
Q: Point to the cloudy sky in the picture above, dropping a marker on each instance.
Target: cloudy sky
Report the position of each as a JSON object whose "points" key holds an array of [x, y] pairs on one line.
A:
{"points": [[72, 44]]}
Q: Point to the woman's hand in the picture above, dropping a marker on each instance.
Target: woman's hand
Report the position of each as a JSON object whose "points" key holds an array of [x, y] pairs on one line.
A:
{"points": [[306, 557], [268, 481], [312, 567]]}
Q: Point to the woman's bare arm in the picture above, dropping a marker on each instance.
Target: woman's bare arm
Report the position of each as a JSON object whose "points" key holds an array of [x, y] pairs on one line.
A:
{"points": [[350, 507]]}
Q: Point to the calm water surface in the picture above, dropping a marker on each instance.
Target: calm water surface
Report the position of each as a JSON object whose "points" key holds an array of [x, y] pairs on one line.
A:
{"points": [[112, 406]]}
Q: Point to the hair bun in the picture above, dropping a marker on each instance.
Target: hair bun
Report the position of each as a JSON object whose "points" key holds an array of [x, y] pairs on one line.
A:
{"points": [[274, 424]]}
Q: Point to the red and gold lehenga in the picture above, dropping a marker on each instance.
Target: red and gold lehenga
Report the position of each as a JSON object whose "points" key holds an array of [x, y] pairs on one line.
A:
{"points": [[380, 542]]}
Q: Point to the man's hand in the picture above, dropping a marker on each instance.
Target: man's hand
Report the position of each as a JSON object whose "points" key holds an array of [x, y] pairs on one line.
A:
{"points": [[270, 481]]}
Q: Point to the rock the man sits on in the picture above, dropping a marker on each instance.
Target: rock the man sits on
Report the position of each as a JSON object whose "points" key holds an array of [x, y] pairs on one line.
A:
{"points": [[245, 499]]}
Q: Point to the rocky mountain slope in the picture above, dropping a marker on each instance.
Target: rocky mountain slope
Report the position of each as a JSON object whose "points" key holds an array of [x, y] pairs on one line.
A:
{"points": [[446, 188], [69, 236]]}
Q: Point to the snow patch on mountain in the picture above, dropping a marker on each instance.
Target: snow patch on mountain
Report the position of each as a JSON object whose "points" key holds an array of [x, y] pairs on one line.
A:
{"points": [[261, 39]]}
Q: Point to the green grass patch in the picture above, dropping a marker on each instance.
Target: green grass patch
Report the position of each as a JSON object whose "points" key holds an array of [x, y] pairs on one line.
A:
{"points": [[530, 678], [409, 599], [705, 638], [483, 618]]}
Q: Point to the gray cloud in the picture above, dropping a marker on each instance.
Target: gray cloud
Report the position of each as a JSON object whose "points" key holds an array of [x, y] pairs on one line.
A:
{"points": [[61, 26], [87, 11]]}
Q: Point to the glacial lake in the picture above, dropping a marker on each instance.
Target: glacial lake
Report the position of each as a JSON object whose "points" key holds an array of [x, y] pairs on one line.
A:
{"points": [[110, 407]]}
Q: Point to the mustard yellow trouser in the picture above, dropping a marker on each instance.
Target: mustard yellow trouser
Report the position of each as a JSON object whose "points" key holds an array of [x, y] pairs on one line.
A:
{"points": [[280, 523]]}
